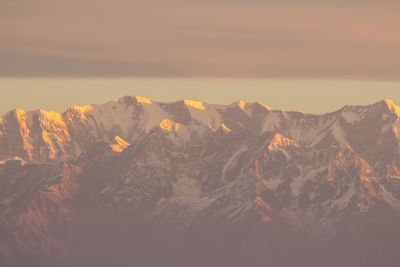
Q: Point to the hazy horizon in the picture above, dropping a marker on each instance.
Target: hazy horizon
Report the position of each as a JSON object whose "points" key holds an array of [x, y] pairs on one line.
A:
{"points": [[307, 95]]}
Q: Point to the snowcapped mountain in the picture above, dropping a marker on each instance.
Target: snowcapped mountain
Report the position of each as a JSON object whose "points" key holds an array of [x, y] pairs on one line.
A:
{"points": [[138, 183], [47, 136]]}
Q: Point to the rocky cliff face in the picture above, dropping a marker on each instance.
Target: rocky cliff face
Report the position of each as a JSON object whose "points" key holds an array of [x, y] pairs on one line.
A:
{"points": [[138, 183]]}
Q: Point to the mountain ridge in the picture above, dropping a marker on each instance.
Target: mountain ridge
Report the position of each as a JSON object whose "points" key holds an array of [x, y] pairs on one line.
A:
{"points": [[53, 136], [233, 185]]}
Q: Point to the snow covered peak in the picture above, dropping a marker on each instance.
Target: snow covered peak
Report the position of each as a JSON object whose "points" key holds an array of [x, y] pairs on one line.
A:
{"points": [[47, 135]]}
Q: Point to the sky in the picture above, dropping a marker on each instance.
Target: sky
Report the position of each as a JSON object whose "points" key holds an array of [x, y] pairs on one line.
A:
{"points": [[334, 39], [312, 96], [308, 55]]}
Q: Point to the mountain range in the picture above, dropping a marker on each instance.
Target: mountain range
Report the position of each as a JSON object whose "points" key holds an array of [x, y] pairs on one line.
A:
{"points": [[134, 182]]}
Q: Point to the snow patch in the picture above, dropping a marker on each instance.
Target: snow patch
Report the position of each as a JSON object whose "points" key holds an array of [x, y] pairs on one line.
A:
{"points": [[186, 197], [153, 115], [272, 122], [273, 183], [242, 105], [396, 131], [225, 128], [169, 125], [344, 201], [298, 183], [386, 128], [350, 117], [110, 116], [390, 199], [232, 161], [338, 134], [119, 144], [143, 100], [280, 141], [194, 104], [205, 114], [392, 107], [82, 110], [385, 116], [105, 189], [264, 106]]}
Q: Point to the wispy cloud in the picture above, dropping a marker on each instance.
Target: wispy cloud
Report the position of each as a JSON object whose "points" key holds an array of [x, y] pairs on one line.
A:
{"points": [[238, 38]]}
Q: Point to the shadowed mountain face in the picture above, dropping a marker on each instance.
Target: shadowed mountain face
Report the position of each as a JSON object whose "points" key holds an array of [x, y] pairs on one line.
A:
{"points": [[138, 183]]}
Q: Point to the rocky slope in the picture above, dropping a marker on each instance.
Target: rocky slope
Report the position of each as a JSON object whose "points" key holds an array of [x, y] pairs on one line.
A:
{"points": [[138, 183]]}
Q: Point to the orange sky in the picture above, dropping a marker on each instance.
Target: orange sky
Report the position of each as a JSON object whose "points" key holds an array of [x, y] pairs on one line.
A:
{"points": [[191, 38]]}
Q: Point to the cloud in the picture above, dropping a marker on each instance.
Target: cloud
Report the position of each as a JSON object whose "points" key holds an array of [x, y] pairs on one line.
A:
{"points": [[36, 64], [334, 39]]}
